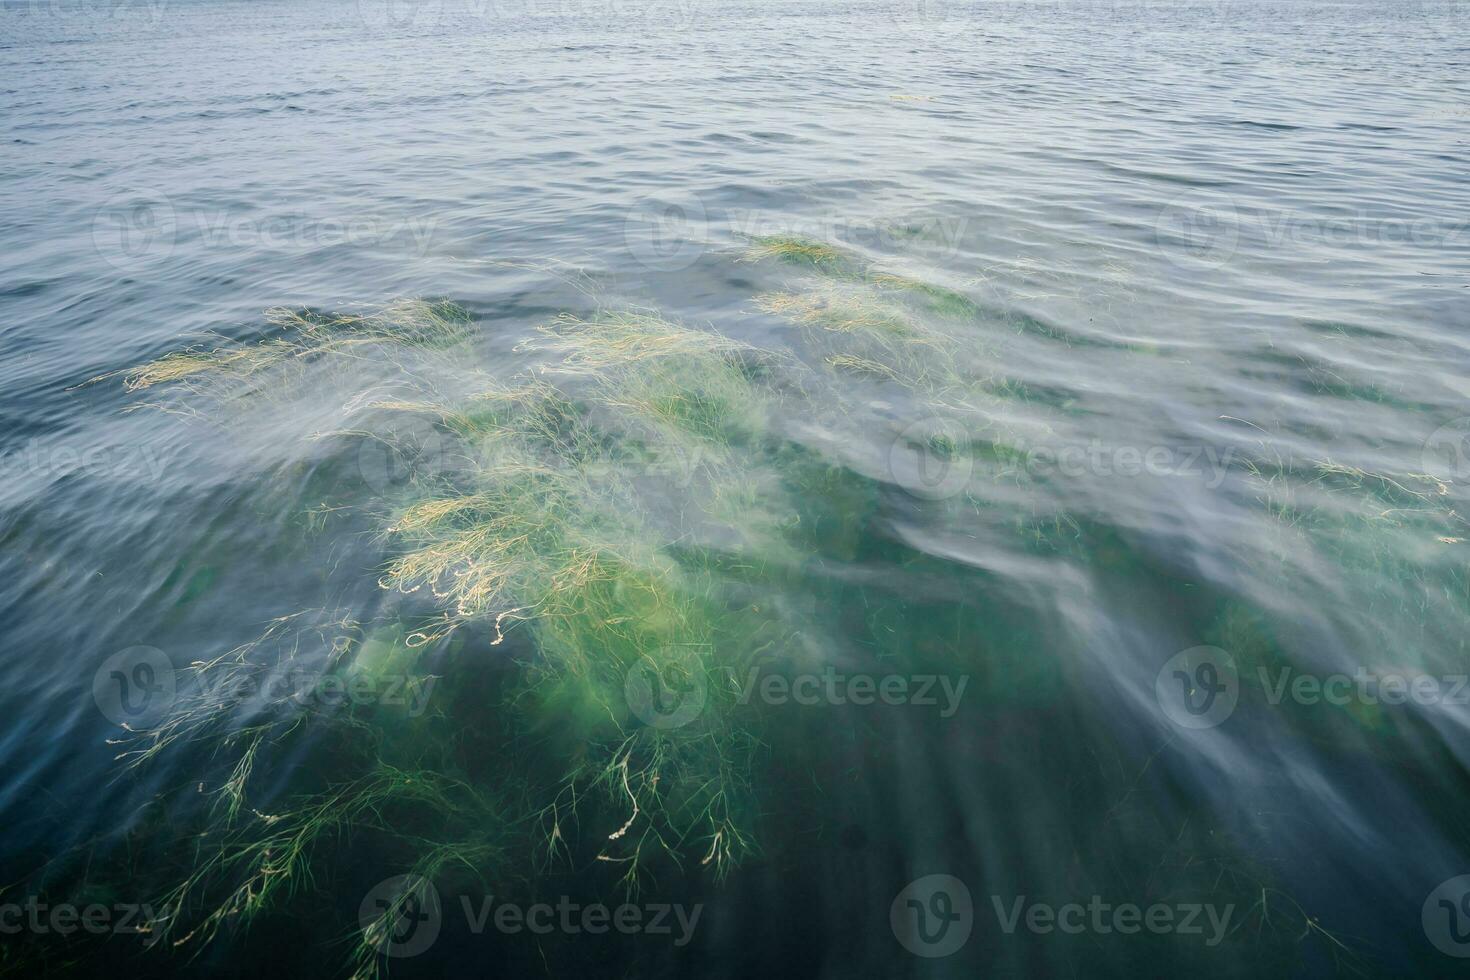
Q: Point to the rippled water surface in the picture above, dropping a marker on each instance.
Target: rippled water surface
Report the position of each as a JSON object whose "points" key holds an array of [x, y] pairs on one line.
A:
{"points": [[1023, 443]]}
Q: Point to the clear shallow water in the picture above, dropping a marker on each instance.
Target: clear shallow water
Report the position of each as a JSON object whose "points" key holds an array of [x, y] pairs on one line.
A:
{"points": [[1214, 258]]}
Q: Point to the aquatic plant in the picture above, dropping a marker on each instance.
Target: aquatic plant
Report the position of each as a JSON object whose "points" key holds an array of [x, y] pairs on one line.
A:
{"points": [[302, 335], [551, 523], [938, 299], [806, 252], [840, 264], [620, 515], [271, 854], [842, 313], [627, 521]]}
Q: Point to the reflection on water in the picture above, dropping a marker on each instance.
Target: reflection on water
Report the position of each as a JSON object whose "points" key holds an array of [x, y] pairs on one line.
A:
{"points": [[844, 489]]}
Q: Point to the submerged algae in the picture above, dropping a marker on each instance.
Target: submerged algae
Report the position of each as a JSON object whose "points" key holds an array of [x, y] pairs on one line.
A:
{"points": [[612, 502], [625, 520], [549, 524]]}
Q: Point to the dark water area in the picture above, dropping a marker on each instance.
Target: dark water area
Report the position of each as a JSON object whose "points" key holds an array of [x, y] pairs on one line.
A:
{"points": [[930, 488]]}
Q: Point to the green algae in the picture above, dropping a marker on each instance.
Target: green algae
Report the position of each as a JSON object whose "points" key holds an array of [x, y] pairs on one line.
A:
{"points": [[306, 334], [807, 253], [546, 527], [938, 299], [623, 521]]}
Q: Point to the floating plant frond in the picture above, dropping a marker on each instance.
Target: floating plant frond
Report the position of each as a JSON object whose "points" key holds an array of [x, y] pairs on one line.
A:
{"points": [[843, 313], [430, 325], [808, 252], [938, 299], [304, 334], [619, 339], [247, 866], [863, 365], [840, 264], [186, 365]]}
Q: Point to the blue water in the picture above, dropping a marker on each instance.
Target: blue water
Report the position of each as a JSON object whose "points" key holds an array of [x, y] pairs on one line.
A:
{"points": [[1217, 262]]}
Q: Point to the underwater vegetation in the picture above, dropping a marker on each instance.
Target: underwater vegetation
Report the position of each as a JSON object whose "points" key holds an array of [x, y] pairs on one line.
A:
{"points": [[546, 523], [835, 263], [408, 324], [618, 513], [1391, 538]]}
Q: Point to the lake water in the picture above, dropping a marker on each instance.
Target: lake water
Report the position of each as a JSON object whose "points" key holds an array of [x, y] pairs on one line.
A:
{"points": [[990, 498]]}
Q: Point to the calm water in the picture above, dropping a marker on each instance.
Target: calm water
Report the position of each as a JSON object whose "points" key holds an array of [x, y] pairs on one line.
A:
{"points": [[1202, 269]]}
